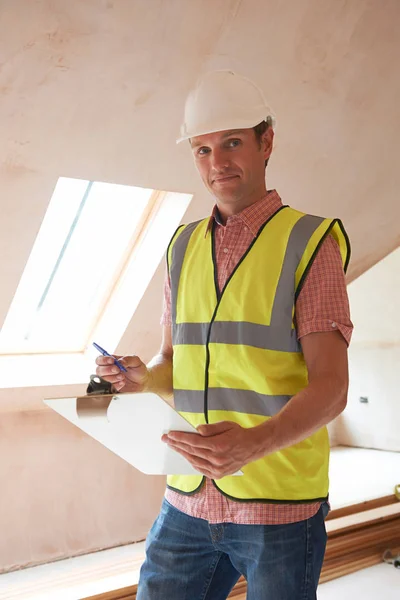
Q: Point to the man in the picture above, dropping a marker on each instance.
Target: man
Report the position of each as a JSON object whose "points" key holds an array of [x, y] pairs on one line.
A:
{"points": [[254, 353]]}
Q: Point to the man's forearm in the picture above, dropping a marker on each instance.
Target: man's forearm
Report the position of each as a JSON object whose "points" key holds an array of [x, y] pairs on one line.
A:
{"points": [[309, 410], [160, 377]]}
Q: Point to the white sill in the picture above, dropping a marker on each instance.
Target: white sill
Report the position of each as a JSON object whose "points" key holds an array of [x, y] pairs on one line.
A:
{"points": [[78, 577], [39, 370]]}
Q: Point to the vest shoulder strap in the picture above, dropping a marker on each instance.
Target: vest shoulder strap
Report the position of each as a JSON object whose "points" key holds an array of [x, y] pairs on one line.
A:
{"points": [[182, 233]]}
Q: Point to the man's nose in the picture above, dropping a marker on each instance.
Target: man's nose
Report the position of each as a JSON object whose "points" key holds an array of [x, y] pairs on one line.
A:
{"points": [[219, 160]]}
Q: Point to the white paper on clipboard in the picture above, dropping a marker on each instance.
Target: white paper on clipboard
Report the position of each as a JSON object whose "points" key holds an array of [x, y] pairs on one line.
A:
{"points": [[131, 426]]}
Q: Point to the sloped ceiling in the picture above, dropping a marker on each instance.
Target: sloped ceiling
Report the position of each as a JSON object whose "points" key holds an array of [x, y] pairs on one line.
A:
{"points": [[95, 90]]}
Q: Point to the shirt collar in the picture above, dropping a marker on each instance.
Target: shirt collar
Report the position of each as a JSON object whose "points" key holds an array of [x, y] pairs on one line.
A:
{"points": [[253, 216]]}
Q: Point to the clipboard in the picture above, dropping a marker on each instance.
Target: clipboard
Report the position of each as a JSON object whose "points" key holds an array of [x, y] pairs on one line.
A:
{"points": [[131, 426]]}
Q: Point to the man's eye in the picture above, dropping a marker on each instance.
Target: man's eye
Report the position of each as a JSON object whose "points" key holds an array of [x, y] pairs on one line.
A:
{"points": [[203, 151], [234, 143]]}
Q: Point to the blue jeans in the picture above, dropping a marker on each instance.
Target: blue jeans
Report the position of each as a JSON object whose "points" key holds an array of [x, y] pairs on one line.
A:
{"points": [[189, 559]]}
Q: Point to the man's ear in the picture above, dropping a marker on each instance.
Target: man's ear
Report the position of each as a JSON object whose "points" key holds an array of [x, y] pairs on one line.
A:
{"points": [[267, 141]]}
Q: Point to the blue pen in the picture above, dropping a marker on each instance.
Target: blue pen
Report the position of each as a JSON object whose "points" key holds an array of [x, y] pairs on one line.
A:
{"points": [[105, 353]]}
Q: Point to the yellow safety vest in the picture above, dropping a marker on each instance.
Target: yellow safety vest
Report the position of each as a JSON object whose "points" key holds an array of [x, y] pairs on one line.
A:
{"points": [[236, 354]]}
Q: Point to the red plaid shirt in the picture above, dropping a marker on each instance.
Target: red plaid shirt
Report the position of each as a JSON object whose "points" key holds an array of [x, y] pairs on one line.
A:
{"points": [[322, 305]]}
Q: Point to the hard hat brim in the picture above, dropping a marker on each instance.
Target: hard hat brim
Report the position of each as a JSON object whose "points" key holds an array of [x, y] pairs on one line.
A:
{"points": [[227, 127]]}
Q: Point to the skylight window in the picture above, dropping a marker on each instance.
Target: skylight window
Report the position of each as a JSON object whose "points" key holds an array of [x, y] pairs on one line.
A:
{"points": [[87, 240]]}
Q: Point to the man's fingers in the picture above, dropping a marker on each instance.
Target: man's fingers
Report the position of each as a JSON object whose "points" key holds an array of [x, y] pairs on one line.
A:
{"points": [[108, 372], [216, 428], [119, 385], [114, 380], [209, 456], [106, 365], [191, 439], [104, 360], [201, 452], [131, 362], [212, 470]]}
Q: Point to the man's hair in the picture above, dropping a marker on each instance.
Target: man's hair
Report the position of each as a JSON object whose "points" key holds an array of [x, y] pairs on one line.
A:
{"points": [[259, 131]]}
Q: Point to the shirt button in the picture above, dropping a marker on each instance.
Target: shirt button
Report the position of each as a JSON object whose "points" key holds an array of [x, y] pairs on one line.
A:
{"points": [[245, 228], [226, 250], [334, 324]]}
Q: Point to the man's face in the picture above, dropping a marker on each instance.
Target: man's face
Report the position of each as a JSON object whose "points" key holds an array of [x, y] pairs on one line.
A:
{"points": [[232, 163]]}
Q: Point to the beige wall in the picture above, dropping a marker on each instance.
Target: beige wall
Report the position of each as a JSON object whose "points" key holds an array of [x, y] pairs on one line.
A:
{"points": [[63, 494], [95, 90], [374, 374], [374, 360]]}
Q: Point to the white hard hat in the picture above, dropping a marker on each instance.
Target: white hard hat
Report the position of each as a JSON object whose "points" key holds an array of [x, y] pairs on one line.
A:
{"points": [[224, 100]]}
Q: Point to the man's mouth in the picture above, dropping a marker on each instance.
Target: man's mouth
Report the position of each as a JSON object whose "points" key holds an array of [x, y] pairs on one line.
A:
{"points": [[224, 178]]}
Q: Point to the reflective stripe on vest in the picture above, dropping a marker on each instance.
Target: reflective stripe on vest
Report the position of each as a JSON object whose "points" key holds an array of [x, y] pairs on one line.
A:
{"points": [[242, 401]]}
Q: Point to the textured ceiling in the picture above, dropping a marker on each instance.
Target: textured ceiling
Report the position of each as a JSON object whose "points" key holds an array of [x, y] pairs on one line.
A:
{"points": [[95, 89]]}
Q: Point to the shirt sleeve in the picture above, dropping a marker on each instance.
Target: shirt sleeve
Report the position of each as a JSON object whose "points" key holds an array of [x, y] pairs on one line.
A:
{"points": [[323, 303], [166, 318]]}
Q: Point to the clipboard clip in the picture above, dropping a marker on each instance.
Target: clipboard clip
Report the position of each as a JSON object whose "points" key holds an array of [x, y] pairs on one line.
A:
{"points": [[98, 385], [97, 400]]}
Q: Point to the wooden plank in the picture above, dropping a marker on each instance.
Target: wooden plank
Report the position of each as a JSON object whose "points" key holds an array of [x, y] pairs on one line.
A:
{"points": [[128, 593], [361, 507], [360, 519]]}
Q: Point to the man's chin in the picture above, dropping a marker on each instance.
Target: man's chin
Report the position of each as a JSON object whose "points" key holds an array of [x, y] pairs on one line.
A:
{"points": [[227, 192]]}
